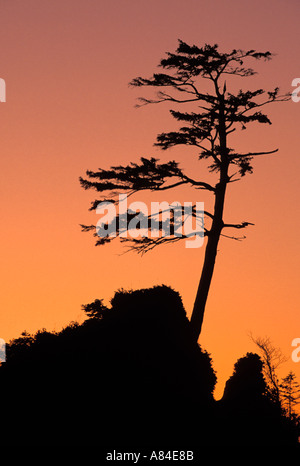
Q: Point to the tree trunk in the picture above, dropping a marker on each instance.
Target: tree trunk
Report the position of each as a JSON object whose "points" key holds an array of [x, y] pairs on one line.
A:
{"points": [[209, 261], [216, 228]]}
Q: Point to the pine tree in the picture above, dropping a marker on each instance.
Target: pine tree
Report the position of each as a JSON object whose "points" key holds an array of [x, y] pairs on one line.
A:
{"points": [[290, 393], [216, 115]]}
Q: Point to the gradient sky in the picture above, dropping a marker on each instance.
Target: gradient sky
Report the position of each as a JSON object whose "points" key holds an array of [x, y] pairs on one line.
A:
{"points": [[67, 64]]}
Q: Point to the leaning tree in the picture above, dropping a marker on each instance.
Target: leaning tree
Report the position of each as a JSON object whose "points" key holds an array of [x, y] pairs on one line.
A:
{"points": [[207, 118]]}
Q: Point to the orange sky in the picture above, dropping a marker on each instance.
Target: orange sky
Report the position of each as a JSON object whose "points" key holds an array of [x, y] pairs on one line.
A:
{"points": [[67, 65]]}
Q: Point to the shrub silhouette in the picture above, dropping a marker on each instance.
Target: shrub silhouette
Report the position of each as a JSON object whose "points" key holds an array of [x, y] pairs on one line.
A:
{"points": [[132, 375], [246, 414], [247, 382], [129, 374]]}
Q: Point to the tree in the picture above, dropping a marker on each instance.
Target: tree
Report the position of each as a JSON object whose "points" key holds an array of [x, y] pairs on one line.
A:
{"points": [[217, 114], [272, 358], [96, 309], [290, 393]]}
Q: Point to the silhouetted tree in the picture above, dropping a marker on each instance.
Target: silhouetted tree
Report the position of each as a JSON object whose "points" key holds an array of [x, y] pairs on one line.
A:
{"points": [[272, 358], [96, 309], [218, 113], [290, 393]]}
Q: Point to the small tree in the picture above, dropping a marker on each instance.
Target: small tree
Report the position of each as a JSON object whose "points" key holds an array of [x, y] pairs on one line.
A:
{"points": [[272, 358], [207, 128], [290, 393]]}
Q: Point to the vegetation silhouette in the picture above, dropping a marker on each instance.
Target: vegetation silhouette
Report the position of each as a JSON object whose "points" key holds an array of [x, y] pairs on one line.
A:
{"points": [[131, 374], [249, 415], [196, 81]]}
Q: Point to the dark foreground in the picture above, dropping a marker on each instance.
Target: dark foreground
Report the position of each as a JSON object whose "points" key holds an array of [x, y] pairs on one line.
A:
{"points": [[131, 376]]}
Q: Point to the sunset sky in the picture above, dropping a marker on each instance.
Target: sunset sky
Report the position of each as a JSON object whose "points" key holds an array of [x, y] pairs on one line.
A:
{"points": [[67, 65]]}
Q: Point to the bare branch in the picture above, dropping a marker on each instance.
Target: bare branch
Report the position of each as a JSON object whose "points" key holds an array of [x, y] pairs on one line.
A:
{"points": [[252, 154], [237, 225], [236, 238], [146, 244], [199, 184], [170, 186], [272, 358], [209, 214]]}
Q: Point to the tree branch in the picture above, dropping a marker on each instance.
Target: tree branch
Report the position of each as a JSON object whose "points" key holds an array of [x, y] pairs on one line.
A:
{"points": [[199, 184], [251, 154], [237, 225], [236, 238]]}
